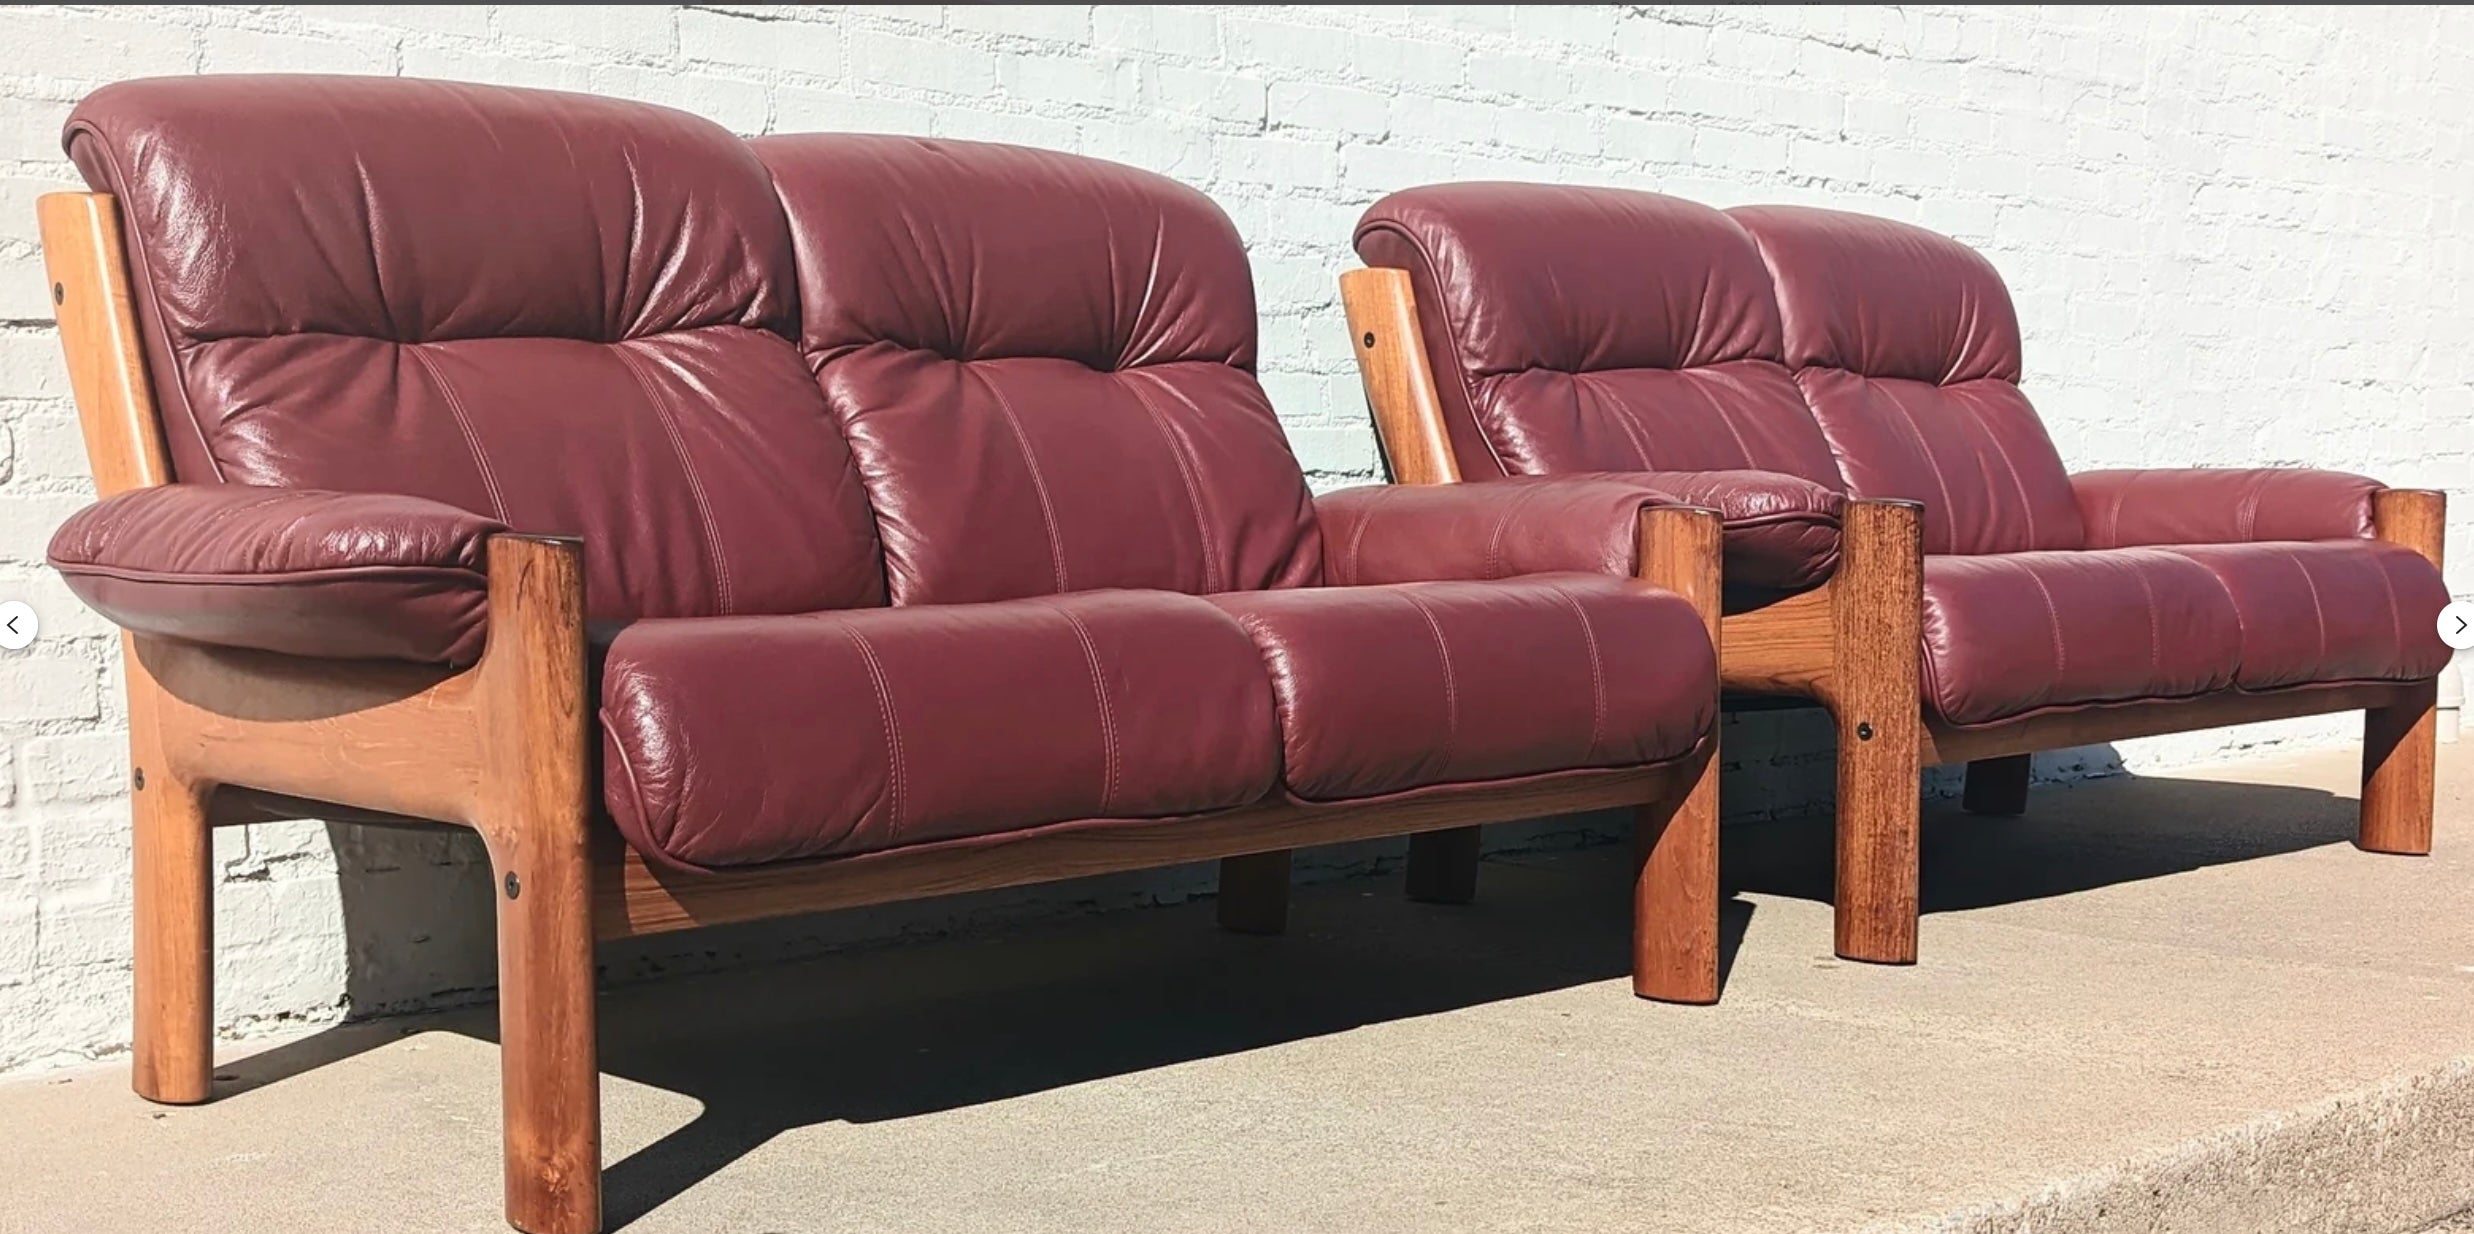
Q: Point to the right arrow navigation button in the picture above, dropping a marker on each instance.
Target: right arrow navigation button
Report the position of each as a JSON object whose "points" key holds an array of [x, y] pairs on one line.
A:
{"points": [[2457, 624]]}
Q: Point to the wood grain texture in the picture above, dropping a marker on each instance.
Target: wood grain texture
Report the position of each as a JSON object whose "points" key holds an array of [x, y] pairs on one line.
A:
{"points": [[1876, 605], [535, 814], [1254, 892], [1997, 787], [2400, 741], [172, 1030], [1788, 646], [1400, 384], [1675, 893], [637, 898], [2124, 721], [89, 279]]}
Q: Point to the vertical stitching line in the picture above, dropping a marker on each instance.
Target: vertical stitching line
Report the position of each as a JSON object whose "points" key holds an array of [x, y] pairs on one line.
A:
{"points": [[2396, 611], [668, 419], [2319, 614], [1597, 676], [2027, 504], [463, 424], [2053, 619], [1949, 519], [1108, 716], [1213, 581], [1451, 681], [1039, 481], [893, 732], [2156, 636]]}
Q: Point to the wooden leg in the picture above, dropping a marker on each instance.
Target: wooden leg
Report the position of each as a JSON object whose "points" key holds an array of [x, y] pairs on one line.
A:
{"points": [[1675, 890], [2399, 745], [535, 815], [1443, 866], [173, 1031], [1254, 892], [1876, 607], [1997, 787]]}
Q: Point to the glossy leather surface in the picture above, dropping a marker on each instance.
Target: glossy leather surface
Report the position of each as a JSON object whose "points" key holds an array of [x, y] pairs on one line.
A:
{"points": [[2192, 505], [1383, 689], [2331, 610], [1591, 329], [570, 314], [2010, 634], [331, 575], [1044, 364], [927, 723], [1906, 348]]}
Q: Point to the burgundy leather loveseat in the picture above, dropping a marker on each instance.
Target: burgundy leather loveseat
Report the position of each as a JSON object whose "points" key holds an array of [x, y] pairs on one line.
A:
{"points": [[930, 532], [1535, 330]]}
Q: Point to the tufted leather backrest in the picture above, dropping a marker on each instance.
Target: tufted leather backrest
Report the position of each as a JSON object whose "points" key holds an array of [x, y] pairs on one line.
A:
{"points": [[570, 313], [1044, 364], [1591, 329], [1907, 349]]}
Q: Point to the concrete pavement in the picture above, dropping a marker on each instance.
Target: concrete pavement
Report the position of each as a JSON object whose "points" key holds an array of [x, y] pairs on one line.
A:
{"points": [[2176, 1004]]}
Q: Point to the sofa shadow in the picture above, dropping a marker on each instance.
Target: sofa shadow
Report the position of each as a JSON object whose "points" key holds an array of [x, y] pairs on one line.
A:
{"points": [[904, 1029], [2072, 838]]}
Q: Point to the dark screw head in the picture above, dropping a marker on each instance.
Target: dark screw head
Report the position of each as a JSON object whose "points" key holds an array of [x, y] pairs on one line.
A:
{"points": [[1864, 732], [1369, 339], [515, 886], [59, 293], [137, 777]]}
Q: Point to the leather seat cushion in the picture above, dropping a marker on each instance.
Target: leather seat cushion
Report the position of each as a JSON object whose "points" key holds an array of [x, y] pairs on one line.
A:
{"points": [[1385, 689], [743, 740], [2330, 610], [2014, 633]]}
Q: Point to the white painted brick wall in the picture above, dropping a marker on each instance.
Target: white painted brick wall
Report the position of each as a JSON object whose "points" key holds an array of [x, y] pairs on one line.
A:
{"points": [[2235, 238]]}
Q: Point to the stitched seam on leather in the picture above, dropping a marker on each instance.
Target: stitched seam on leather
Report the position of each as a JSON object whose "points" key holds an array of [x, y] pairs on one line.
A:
{"points": [[1212, 580], [1743, 449], [1108, 717], [2147, 594], [329, 574], [136, 252], [1931, 464], [1503, 528], [2246, 513], [1597, 676], [1451, 681], [1352, 556], [2319, 614], [2396, 611], [463, 424], [664, 414], [635, 788], [893, 732], [1451, 329], [2027, 505], [2053, 615], [1631, 428], [1039, 481]]}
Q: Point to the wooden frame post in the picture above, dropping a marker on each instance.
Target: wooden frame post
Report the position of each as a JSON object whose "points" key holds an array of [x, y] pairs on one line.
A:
{"points": [[1876, 605], [1675, 893], [2399, 742]]}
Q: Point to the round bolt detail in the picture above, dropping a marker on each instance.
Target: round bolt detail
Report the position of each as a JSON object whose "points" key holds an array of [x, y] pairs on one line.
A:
{"points": [[515, 886], [137, 777], [1368, 339], [59, 293], [1864, 730]]}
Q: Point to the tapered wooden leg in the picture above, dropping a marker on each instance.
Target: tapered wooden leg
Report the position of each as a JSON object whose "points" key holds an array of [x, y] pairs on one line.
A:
{"points": [[1675, 889], [1254, 892], [1876, 607], [2399, 747], [171, 856], [535, 817], [1997, 787], [1443, 866]]}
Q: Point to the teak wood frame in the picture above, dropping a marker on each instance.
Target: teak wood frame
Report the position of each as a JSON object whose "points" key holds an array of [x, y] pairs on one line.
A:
{"points": [[1852, 646], [503, 748]]}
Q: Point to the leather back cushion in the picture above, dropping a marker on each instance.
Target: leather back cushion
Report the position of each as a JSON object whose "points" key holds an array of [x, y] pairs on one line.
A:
{"points": [[1907, 349], [1591, 329], [569, 313], [1044, 364]]}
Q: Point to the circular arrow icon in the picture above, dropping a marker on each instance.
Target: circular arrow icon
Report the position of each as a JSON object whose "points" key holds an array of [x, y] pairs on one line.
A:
{"points": [[17, 624], [2457, 624]]}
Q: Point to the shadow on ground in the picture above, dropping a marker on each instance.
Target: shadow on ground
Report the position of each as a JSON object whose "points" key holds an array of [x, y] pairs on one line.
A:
{"points": [[896, 1031]]}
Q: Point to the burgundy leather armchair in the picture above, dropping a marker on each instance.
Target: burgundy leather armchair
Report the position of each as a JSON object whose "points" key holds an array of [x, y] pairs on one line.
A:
{"points": [[1528, 330], [892, 517]]}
